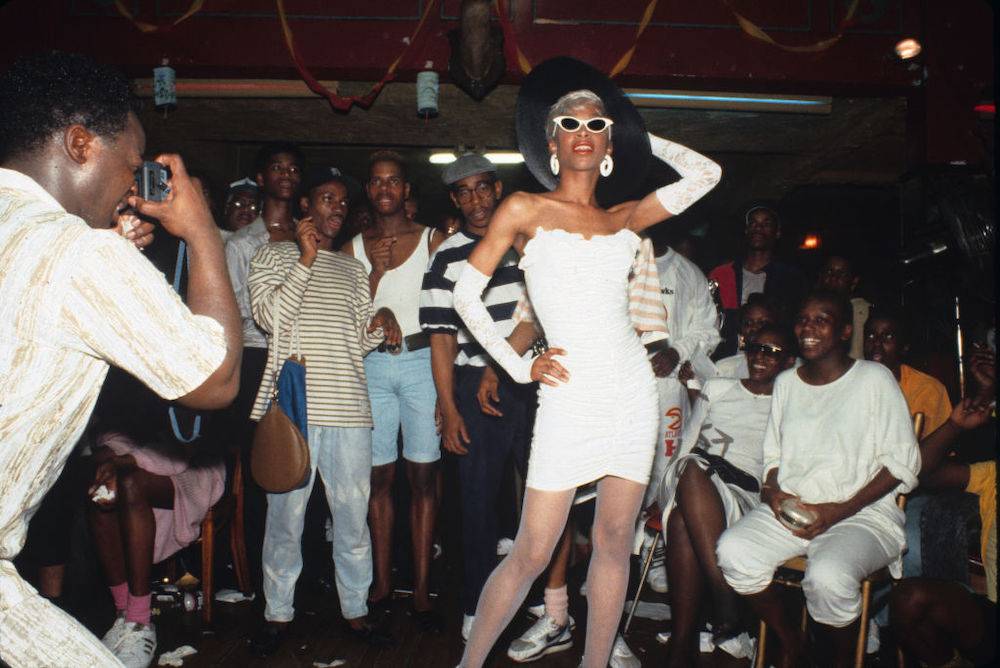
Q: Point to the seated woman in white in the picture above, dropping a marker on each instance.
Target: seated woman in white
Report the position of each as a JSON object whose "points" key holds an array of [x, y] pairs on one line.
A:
{"points": [[714, 480], [839, 442]]}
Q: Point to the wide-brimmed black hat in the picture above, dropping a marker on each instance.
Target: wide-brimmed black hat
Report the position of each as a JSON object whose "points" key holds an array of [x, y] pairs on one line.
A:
{"points": [[552, 79]]}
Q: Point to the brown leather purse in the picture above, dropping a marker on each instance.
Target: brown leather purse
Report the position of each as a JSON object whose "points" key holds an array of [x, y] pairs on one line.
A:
{"points": [[279, 459]]}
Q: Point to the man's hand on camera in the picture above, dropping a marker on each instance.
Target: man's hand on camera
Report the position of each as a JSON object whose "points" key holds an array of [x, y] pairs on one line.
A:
{"points": [[184, 213]]}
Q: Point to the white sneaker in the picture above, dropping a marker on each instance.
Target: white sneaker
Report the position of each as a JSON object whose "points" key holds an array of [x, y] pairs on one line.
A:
{"points": [[467, 621], [872, 642], [622, 656], [741, 646], [536, 611], [544, 637], [137, 646], [115, 634]]}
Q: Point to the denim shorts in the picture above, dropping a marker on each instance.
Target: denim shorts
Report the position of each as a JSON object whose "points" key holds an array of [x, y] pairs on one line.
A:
{"points": [[402, 394]]}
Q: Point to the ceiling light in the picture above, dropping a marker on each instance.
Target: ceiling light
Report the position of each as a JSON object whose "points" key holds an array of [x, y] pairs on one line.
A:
{"points": [[808, 104], [811, 242], [908, 48], [496, 157]]}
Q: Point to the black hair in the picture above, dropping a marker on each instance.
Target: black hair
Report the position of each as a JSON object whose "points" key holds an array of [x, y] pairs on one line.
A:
{"points": [[841, 304], [272, 148], [45, 93], [895, 316], [765, 301], [385, 155], [789, 344]]}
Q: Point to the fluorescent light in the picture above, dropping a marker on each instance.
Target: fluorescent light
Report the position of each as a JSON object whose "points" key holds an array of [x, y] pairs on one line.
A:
{"points": [[505, 158], [908, 48], [496, 157], [730, 101]]}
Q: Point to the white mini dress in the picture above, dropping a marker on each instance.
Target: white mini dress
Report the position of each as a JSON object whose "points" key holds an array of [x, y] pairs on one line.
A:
{"points": [[603, 421]]}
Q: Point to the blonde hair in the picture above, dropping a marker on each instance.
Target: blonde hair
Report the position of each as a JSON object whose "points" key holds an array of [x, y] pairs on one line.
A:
{"points": [[569, 101]]}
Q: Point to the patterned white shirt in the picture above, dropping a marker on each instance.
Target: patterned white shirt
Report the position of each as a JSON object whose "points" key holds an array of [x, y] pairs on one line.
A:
{"points": [[72, 301]]}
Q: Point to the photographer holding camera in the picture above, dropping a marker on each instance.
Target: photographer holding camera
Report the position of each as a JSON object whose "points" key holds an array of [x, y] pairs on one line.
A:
{"points": [[76, 298]]}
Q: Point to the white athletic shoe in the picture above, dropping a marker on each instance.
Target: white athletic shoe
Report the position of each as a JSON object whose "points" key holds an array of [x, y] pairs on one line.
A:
{"points": [[741, 646], [536, 611], [622, 656], [467, 621], [137, 646], [544, 637], [872, 641], [115, 634]]}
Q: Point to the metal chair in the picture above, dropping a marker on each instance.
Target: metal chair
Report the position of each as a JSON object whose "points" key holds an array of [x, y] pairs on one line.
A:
{"points": [[655, 525]]}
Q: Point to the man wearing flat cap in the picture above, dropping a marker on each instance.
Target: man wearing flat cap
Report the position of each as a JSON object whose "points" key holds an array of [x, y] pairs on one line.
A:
{"points": [[485, 437]]}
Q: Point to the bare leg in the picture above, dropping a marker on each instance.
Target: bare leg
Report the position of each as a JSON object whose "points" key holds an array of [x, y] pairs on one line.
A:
{"points": [[138, 493], [560, 560], [686, 589], [933, 618], [844, 642], [705, 520], [767, 604], [542, 520], [381, 519], [50, 580], [618, 503], [423, 511]]}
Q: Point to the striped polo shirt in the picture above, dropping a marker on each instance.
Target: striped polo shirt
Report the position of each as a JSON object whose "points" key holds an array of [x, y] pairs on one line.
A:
{"points": [[437, 310], [331, 302]]}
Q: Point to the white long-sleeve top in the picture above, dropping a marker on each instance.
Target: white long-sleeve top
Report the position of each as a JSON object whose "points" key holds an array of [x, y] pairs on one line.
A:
{"points": [[691, 315], [829, 441]]}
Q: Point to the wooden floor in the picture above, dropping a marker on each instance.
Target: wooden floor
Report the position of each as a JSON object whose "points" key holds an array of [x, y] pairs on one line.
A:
{"points": [[318, 637]]}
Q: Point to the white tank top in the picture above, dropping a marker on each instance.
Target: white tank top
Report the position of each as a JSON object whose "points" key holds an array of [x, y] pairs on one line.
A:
{"points": [[399, 288]]}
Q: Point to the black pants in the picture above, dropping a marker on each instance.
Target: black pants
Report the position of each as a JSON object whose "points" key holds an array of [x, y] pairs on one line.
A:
{"points": [[240, 430], [496, 443]]}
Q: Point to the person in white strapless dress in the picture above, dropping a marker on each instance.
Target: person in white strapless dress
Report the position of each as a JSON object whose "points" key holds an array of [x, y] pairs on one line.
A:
{"points": [[597, 416]]}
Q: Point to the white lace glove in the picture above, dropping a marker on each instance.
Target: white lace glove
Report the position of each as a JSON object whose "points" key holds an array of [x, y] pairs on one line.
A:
{"points": [[469, 305], [698, 174]]}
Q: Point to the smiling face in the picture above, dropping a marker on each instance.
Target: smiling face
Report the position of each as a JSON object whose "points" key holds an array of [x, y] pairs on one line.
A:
{"points": [[581, 150], [327, 206], [476, 197], [387, 188], [821, 330], [109, 172], [767, 356], [281, 178]]}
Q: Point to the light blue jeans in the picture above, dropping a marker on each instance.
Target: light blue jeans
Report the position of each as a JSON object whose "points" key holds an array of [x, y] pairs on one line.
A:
{"points": [[343, 457]]}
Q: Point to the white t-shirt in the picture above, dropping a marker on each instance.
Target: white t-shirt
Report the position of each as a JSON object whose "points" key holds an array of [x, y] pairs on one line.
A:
{"points": [[829, 441], [752, 282], [729, 420], [72, 301]]}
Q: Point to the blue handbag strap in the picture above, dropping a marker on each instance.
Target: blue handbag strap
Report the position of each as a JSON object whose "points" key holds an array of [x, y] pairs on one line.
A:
{"points": [[182, 261]]}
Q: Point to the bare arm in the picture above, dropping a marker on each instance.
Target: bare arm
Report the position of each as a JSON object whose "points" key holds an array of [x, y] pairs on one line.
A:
{"points": [[185, 214], [444, 350], [830, 513]]}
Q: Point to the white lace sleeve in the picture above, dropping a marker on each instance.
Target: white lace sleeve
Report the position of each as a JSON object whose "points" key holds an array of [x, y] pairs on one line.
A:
{"points": [[698, 174], [469, 305]]}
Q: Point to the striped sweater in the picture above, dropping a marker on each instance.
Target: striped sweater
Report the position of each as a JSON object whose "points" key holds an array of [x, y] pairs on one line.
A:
{"points": [[332, 303]]}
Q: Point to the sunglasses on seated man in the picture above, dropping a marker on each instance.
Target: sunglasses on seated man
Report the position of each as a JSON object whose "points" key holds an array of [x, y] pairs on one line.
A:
{"points": [[572, 123], [768, 349]]}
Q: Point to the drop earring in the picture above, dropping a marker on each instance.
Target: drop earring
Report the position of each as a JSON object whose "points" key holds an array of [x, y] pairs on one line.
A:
{"points": [[607, 165], [554, 163]]}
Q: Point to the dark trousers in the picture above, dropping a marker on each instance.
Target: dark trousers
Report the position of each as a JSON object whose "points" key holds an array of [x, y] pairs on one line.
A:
{"points": [[241, 428], [496, 443]]}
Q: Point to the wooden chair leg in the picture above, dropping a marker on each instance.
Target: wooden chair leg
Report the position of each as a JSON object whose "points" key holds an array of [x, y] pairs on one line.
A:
{"points": [[642, 581], [207, 554], [761, 645], [900, 658], [805, 617], [237, 536], [859, 651]]}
